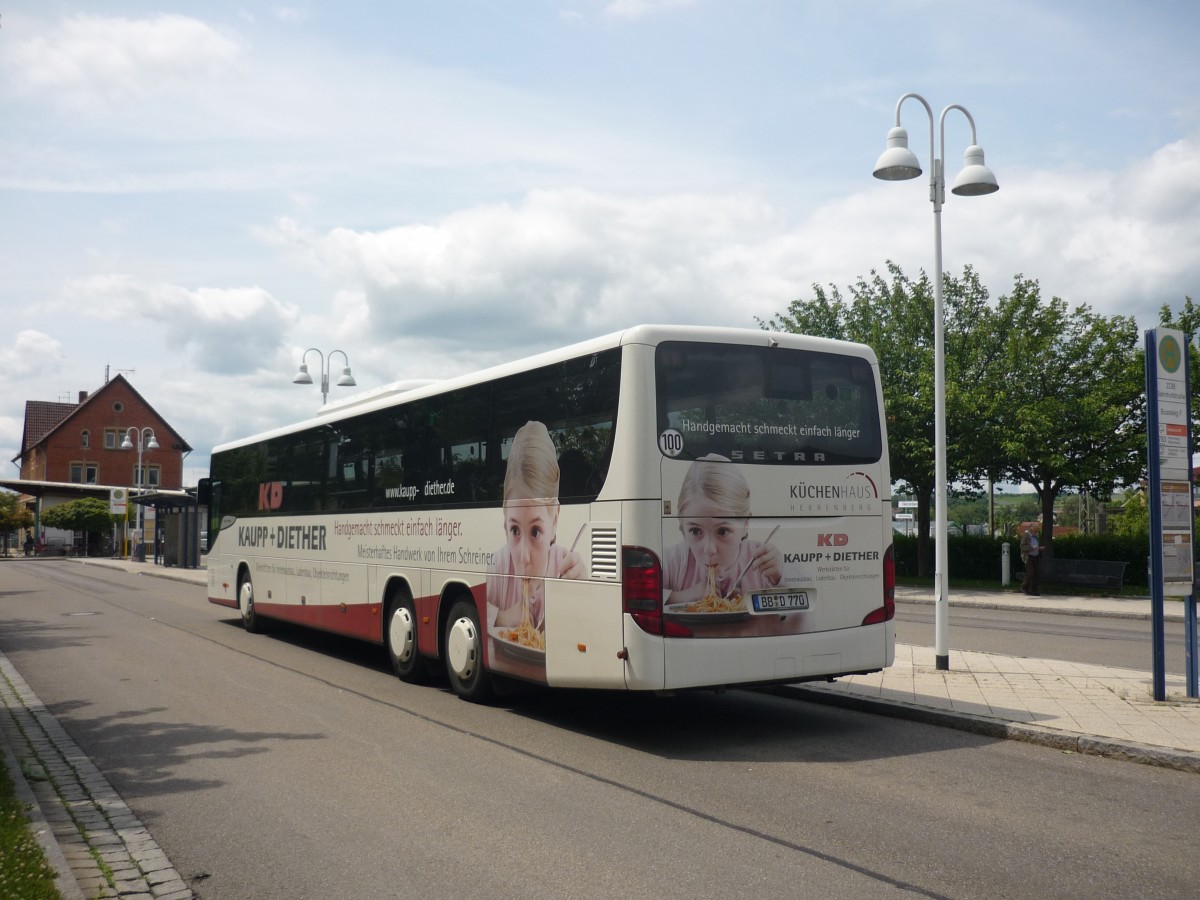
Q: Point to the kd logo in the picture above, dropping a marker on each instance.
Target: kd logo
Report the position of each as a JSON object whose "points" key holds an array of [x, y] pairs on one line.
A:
{"points": [[270, 495]]}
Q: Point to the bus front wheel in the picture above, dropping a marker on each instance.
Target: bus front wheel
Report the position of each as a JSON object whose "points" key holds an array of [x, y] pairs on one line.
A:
{"points": [[401, 637], [464, 653], [250, 619]]}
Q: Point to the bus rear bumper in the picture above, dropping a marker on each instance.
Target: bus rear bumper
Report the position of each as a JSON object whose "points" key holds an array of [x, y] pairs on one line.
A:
{"points": [[694, 662]]}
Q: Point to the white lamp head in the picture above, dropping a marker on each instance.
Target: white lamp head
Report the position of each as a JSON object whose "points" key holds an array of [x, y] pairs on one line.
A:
{"points": [[975, 179], [897, 163], [346, 380], [302, 376], [153, 442]]}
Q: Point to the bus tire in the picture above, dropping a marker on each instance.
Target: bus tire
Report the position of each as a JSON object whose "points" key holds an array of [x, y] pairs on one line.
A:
{"points": [[464, 653], [251, 621], [400, 637]]}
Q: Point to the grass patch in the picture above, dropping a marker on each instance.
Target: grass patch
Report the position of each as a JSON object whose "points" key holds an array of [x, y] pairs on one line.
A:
{"points": [[24, 871]]}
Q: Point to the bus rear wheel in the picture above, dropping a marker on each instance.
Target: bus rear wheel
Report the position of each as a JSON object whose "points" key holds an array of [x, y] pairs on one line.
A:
{"points": [[464, 653], [250, 619], [400, 634]]}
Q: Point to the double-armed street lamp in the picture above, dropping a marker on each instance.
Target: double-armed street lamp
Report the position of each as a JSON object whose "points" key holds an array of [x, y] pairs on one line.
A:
{"points": [[145, 441], [898, 163], [302, 376]]}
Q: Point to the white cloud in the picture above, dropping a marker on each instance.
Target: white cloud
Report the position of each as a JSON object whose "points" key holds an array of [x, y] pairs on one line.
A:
{"points": [[32, 353], [292, 14], [92, 60], [33, 357], [227, 330], [640, 9], [561, 263]]}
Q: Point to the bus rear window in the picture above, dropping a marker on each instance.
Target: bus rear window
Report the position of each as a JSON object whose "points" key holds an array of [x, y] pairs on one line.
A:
{"points": [[771, 406]]}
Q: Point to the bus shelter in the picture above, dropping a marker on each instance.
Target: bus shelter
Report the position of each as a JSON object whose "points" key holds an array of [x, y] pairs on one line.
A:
{"points": [[179, 522]]}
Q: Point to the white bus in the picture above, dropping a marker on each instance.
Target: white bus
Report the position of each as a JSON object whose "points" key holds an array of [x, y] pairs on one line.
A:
{"points": [[660, 509]]}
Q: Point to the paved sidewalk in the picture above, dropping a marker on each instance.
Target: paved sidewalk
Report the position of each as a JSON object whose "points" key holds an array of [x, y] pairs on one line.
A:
{"points": [[1070, 706]]}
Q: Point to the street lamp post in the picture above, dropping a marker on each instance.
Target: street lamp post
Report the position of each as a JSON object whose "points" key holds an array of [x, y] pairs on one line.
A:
{"points": [[145, 441], [302, 376], [898, 163]]}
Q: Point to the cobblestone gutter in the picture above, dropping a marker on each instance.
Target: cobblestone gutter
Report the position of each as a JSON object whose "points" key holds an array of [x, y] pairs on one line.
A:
{"points": [[107, 850]]}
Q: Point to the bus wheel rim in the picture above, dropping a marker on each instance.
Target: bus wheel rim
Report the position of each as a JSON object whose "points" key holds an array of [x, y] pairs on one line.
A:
{"points": [[246, 598], [402, 634], [463, 648]]}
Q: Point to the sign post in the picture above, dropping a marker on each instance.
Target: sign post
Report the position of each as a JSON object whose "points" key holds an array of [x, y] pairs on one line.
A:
{"points": [[1169, 445], [118, 505]]}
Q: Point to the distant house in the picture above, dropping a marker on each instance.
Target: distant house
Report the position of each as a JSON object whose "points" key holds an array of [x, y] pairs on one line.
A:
{"points": [[80, 443], [88, 448]]}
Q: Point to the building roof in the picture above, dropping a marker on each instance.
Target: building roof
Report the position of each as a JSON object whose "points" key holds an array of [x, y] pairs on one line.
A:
{"points": [[43, 418]]}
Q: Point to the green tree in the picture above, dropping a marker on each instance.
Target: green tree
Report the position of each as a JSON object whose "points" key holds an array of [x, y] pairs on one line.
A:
{"points": [[1134, 518], [967, 513], [13, 516], [1073, 415], [1035, 392], [89, 515]]}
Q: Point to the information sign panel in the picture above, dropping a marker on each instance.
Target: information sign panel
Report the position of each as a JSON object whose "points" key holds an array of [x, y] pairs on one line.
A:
{"points": [[1170, 459], [1169, 464]]}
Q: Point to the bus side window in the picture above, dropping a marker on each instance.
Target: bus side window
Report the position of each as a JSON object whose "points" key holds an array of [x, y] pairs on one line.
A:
{"points": [[573, 474]]}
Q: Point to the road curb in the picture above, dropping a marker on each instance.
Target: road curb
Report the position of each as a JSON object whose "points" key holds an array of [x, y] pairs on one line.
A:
{"points": [[166, 572], [1017, 606], [1067, 741]]}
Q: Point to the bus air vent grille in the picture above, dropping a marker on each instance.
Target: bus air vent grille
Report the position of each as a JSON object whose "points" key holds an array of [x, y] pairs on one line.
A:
{"points": [[605, 552]]}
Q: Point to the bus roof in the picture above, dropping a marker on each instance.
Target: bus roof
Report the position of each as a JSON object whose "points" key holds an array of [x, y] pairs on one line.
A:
{"points": [[652, 335]]}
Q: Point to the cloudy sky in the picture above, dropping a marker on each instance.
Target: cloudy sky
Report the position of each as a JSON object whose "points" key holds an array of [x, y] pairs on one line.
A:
{"points": [[194, 193]]}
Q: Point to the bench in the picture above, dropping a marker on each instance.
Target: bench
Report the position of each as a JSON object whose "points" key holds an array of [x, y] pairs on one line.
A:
{"points": [[1097, 573]]}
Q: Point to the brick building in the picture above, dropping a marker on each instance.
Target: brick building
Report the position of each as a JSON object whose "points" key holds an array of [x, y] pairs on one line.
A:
{"points": [[80, 443]]}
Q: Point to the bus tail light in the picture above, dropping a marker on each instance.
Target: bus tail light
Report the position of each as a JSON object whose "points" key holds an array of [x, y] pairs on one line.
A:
{"points": [[887, 612], [642, 593]]}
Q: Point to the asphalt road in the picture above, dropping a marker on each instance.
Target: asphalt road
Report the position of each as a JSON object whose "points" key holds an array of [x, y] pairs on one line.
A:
{"points": [[295, 766], [1124, 643]]}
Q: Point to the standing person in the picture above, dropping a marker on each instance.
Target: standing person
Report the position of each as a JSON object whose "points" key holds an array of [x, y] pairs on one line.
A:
{"points": [[1031, 554]]}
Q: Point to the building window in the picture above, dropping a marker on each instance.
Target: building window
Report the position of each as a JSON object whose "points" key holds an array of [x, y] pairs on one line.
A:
{"points": [[153, 477], [85, 438], [85, 473], [110, 439], [118, 406]]}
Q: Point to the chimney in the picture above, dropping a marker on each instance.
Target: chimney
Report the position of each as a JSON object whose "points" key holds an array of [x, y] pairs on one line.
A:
{"points": [[83, 395]]}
